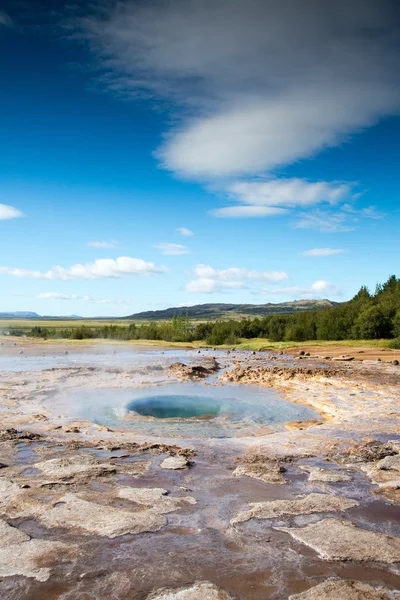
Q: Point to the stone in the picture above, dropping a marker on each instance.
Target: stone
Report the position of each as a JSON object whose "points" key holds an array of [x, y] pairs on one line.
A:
{"points": [[389, 463], [107, 521], [174, 463], [81, 464], [21, 555], [157, 498], [324, 475], [313, 503], [203, 590], [340, 589], [334, 539], [269, 471], [395, 362]]}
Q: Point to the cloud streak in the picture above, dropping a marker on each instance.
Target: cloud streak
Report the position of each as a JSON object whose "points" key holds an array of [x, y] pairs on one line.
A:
{"points": [[112, 244], [9, 212], [60, 296], [103, 268], [171, 249], [323, 252]]}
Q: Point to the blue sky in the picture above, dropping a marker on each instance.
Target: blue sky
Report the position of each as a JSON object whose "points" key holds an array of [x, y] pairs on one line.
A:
{"points": [[155, 155]]}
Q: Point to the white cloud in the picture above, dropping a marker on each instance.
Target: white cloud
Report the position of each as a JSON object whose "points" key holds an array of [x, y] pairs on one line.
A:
{"points": [[172, 249], [323, 252], [317, 290], [9, 212], [59, 296], [5, 19], [185, 231], [239, 273], [266, 83], [112, 244], [209, 280], [277, 196], [99, 269]]}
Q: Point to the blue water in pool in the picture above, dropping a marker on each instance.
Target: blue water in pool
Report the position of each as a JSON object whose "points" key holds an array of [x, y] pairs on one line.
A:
{"points": [[186, 410]]}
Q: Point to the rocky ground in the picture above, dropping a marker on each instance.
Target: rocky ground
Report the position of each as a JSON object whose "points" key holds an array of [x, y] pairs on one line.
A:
{"points": [[311, 510]]}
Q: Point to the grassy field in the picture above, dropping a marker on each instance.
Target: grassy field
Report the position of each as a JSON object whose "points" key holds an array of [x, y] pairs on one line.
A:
{"points": [[244, 344], [27, 324]]}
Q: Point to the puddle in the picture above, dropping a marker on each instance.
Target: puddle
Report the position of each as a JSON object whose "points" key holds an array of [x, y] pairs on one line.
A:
{"points": [[185, 410]]}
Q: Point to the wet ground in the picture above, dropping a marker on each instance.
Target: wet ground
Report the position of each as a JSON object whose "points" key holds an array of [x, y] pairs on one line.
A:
{"points": [[67, 479]]}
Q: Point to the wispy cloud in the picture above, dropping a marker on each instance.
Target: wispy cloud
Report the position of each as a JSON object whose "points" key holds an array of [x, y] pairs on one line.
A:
{"points": [[99, 269], [210, 280], [185, 231], [60, 296], [343, 218], [111, 244], [9, 212], [172, 249], [323, 252]]}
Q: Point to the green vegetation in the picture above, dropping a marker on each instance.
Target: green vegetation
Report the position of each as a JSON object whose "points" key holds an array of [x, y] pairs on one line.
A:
{"points": [[366, 317]]}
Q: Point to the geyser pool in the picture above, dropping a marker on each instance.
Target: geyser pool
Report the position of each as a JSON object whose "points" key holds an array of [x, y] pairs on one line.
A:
{"points": [[175, 407], [184, 410]]}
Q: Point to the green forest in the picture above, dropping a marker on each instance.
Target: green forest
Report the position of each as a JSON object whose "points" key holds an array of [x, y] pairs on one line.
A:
{"points": [[366, 316]]}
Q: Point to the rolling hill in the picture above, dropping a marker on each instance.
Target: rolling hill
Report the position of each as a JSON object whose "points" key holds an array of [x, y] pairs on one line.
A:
{"points": [[211, 312]]}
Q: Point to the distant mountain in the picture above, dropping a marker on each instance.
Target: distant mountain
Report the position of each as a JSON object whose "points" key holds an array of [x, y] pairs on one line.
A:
{"points": [[229, 311], [25, 314], [19, 315]]}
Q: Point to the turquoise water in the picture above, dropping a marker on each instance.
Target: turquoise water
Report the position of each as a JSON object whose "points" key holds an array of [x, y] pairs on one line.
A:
{"points": [[175, 407]]}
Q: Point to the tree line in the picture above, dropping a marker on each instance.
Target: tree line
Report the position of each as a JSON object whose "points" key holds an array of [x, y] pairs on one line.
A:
{"points": [[366, 316]]}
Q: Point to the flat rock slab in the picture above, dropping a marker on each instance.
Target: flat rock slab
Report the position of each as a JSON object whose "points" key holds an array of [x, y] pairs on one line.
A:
{"points": [[269, 472], [174, 463], [334, 589], [8, 491], [21, 555], [75, 465], [334, 539], [324, 475], [198, 591], [72, 511], [313, 503], [156, 498]]}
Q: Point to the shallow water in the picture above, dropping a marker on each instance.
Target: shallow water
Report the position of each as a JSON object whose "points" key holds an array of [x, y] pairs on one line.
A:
{"points": [[185, 410]]}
